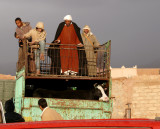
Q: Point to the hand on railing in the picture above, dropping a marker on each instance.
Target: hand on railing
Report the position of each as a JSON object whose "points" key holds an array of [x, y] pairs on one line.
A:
{"points": [[80, 45], [57, 41], [33, 43]]}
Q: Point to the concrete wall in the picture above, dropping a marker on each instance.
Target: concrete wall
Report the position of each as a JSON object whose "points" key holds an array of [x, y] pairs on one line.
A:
{"points": [[148, 71], [6, 90], [123, 72], [142, 91], [132, 72]]}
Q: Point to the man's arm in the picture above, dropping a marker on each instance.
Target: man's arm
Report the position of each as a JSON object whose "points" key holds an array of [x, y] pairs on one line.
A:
{"points": [[29, 28], [96, 43], [19, 33], [27, 35]]}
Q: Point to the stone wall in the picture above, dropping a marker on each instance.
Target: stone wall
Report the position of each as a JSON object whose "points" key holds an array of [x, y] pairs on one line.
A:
{"points": [[142, 91], [123, 72], [148, 71], [7, 77], [132, 72]]}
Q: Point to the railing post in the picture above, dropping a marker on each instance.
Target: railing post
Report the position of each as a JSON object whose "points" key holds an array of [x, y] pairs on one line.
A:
{"points": [[108, 45], [26, 56]]}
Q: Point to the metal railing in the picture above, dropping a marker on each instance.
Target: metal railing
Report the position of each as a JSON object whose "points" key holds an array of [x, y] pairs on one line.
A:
{"points": [[69, 61]]}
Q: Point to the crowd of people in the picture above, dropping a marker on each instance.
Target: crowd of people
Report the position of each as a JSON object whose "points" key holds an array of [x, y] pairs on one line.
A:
{"points": [[67, 38]]}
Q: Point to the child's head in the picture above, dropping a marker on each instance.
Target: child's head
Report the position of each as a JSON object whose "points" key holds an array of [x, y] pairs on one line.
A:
{"points": [[40, 26]]}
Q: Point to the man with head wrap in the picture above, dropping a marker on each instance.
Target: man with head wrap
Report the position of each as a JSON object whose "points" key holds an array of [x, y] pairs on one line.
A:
{"points": [[90, 43], [10, 115], [69, 38]]}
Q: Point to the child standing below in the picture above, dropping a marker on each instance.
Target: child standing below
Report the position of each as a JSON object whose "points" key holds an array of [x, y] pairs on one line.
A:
{"points": [[38, 36]]}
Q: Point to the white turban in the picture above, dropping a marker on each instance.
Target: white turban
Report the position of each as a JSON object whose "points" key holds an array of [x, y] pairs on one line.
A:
{"points": [[68, 17]]}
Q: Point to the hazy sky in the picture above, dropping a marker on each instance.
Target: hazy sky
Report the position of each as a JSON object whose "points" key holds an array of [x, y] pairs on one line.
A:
{"points": [[132, 25]]}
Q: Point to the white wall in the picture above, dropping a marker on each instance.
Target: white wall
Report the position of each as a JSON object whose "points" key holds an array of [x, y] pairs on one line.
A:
{"points": [[123, 72]]}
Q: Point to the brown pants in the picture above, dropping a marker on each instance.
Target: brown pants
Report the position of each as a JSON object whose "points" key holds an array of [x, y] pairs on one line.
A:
{"points": [[21, 59]]}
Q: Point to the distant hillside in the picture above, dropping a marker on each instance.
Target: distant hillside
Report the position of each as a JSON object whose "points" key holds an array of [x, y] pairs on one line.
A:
{"points": [[7, 77]]}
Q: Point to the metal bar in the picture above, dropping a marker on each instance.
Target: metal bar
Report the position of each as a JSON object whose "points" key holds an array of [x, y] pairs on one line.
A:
{"points": [[66, 77], [68, 107], [25, 45], [48, 64]]}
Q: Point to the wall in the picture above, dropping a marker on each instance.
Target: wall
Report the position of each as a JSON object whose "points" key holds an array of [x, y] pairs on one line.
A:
{"points": [[132, 72], [155, 71], [142, 91], [123, 72], [6, 90]]}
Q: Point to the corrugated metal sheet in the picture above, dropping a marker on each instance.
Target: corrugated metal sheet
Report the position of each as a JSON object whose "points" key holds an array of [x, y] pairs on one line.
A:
{"points": [[19, 90], [6, 90]]}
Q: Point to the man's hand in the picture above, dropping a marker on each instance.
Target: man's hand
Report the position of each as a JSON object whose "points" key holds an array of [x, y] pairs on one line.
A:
{"points": [[80, 45], [23, 37], [57, 41], [20, 41], [31, 43]]}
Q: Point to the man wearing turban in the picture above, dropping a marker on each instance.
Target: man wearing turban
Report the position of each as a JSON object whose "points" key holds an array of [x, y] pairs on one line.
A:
{"points": [[69, 38]]}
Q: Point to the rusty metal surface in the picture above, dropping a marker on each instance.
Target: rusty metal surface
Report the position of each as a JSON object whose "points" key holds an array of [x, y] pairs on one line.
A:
{"points": [[65, 77], [69, 109], [102, 71], [19, 90], [102, 62]]}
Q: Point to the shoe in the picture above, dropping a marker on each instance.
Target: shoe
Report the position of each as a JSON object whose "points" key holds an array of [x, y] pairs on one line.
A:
{"points": [[69, 71], [73, 73], [66, 73]]}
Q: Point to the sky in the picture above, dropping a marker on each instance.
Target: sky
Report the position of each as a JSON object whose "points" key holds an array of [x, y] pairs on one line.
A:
{"points": [[133, 26]]}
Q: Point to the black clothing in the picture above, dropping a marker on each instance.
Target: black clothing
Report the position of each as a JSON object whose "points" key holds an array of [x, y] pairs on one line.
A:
{"points": [[9, 106], [12, 117], [20, 43], [60, 28], [54, 54]]}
